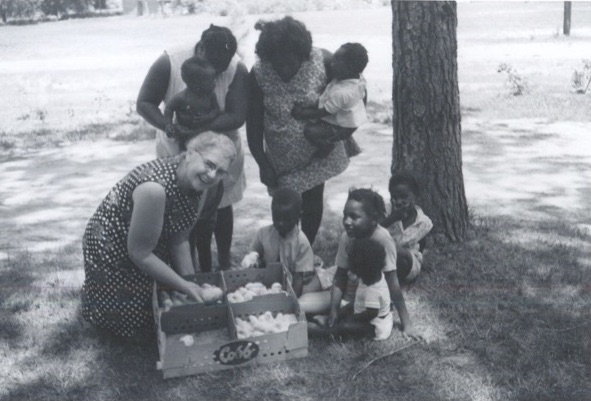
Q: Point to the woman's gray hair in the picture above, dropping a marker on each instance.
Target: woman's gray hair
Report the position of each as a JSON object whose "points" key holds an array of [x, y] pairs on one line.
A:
{"points": [[205, 141]]}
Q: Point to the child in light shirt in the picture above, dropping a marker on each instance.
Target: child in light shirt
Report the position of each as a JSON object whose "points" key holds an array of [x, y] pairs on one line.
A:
{"points": [[362, 213], [283, 241], [369, 315], [341, 107], [407, 224]]}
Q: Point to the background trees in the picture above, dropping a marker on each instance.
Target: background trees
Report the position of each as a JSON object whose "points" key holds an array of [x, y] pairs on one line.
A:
{"points": [[17, 9], [426, 115], [27, 9]]}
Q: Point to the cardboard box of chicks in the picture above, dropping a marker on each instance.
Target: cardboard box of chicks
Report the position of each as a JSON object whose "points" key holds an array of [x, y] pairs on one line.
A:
{"points": [[249, 316]]}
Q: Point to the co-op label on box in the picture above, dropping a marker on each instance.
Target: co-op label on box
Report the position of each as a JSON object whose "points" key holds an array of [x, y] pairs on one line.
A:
{"points": [[236, 353]]}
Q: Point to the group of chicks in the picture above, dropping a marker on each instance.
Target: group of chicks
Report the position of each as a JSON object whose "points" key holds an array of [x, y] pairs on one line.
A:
{"points": [[254, 326], [251, 290], [250, 326], [210, 294]]}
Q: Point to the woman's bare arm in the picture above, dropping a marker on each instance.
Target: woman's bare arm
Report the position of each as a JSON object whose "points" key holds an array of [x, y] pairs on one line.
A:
{"points": [[180, 252], [147, 219], [255, 132], [153, 91], [327, 58], [236, 103]]}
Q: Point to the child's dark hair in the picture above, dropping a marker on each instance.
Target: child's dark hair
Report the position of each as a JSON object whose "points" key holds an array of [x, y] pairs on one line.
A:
{"points": [[194, 68], [355, 57], [283, 36], [220, 46], [367, 259], [405, 178], [286, 197], [373, 203]]}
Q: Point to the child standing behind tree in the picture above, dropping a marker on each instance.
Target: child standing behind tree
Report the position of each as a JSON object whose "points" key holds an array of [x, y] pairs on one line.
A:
{"points": [[341, 108], [283, 241], [196, 105], [407, 224]]}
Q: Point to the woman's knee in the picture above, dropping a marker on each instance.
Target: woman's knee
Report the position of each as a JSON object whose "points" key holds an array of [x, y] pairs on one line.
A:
{"points": [[315, 302]]}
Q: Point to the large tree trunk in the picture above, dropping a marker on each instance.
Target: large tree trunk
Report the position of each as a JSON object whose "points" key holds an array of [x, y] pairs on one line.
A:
{"points": [[426, 117]]}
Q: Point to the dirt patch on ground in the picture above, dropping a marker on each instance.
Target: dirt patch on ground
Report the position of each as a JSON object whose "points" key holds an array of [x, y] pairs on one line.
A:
{"points": [[525, 168]]}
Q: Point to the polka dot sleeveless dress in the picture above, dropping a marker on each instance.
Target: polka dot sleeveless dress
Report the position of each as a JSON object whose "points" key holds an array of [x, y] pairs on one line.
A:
{"points": [[116, 294]]}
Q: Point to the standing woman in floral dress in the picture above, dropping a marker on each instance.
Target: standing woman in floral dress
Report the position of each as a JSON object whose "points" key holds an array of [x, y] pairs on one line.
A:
{"points": [[290, 71]]}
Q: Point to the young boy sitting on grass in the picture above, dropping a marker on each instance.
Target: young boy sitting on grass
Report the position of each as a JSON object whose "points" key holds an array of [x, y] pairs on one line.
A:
{"points": [[407, 224], [283, 241], [369, 315]]}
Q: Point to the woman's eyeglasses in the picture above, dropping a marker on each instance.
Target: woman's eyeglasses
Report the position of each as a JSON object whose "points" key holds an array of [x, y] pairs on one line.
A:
{"points": [[211, 166]]}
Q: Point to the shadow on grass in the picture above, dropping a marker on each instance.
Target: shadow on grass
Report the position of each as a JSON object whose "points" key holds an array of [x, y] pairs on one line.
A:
{"points": [[517, 298], [15, 275], [520, 304], [80, 362], [527, 170], [126, 129], [50, 196]]}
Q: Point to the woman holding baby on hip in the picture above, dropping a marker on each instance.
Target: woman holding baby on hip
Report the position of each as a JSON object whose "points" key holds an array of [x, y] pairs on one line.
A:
{"points": [[286, 84], [216, 70]]}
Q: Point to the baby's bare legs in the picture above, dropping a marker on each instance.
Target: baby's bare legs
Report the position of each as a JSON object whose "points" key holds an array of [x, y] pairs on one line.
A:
{"points": [[356, 328], [321, 137]]}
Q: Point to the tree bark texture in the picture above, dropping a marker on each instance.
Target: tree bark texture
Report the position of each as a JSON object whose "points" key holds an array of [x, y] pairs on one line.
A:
{"points": [[426, 110]]}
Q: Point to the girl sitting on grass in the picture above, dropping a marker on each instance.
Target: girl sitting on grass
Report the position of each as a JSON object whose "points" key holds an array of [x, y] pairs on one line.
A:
{"points": [[363, 210]]}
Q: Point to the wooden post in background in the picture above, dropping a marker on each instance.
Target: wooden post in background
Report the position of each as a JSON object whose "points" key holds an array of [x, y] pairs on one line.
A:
{"points": [[566, 23]]}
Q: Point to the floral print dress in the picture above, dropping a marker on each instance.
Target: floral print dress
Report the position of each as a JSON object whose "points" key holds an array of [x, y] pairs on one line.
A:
{"points": [[288, 150], [116, 294]]}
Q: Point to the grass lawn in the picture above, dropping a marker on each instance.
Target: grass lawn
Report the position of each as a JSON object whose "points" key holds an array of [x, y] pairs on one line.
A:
{"points": [[506, 314]]}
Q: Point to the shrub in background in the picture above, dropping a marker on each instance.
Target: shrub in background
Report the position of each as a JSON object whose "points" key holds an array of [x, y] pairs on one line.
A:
{"points": [[22, 12], [61, 7], [516, 83], [581, 79]]}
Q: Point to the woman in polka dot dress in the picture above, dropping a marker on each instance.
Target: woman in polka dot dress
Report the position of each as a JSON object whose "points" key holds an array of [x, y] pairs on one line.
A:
{"points": [[140, 233]]}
